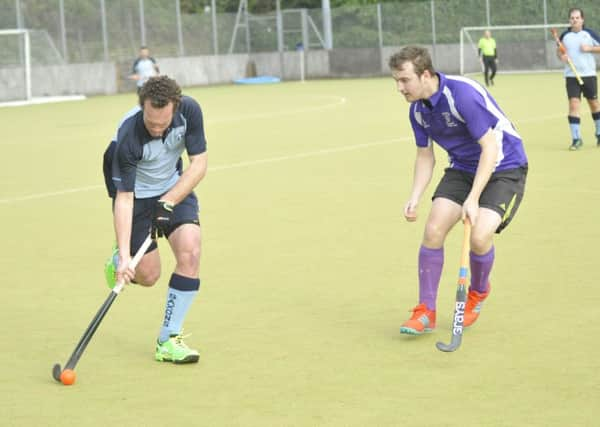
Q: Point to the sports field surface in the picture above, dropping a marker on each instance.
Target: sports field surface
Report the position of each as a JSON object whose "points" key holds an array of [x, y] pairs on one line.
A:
{"points": [[308, 270]]}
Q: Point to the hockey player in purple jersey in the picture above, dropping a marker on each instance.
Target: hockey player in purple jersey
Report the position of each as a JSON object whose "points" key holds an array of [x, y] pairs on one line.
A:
{"points": [[484, 182]]}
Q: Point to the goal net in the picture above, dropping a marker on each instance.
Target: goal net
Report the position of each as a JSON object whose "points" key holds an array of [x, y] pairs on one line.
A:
{"points": [[30, 67], [15, 65], [521, 48]]}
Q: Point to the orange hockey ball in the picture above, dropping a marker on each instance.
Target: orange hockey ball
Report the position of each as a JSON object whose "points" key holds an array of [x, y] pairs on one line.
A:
{"points": [[67, 377]]}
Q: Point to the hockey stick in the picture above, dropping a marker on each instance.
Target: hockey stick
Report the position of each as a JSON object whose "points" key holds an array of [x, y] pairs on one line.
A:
{"points": [[563, 50], [91, 329], [461, 295]]}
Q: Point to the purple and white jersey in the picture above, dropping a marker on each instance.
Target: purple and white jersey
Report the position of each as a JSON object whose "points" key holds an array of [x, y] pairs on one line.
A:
{"points": [[457, 116]]}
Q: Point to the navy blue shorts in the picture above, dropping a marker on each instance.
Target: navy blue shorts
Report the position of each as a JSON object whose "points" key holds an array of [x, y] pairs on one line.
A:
{"points": [[503, 192], [589, 88], [185, 212]]}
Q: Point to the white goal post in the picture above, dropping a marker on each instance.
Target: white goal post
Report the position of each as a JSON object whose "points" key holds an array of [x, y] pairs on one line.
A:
{"points": [[522, 48], [30, 70], [21, 48]]}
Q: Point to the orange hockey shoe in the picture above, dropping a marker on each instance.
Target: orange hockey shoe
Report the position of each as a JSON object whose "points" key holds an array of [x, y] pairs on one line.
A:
{"points": [[473, 308], [422, 320]]}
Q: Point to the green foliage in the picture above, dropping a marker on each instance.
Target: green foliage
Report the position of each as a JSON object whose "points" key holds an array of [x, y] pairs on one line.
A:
{"points": [[354, 23]]}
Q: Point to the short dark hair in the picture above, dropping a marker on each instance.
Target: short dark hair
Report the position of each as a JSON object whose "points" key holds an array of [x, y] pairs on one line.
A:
{"points": [[160, 90], [573, 9], [418, 56]]}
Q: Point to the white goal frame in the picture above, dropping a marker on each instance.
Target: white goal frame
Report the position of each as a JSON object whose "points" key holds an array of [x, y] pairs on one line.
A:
{"points": [[464, 33], [27, 57], [26, 53]]}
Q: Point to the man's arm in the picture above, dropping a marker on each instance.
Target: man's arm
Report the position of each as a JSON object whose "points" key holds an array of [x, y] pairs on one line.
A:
{"points": [[123, 217], [134, 73], [423, 171], [590, 48], [595, 46], [155, 65], [188, 180], [485, 168]]}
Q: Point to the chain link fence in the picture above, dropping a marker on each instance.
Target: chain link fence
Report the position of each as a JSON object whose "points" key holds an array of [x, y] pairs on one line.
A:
{"points": [[83, 31]]}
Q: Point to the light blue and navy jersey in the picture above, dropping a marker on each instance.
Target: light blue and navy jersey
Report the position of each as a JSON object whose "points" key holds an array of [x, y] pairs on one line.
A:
{"points": [[457, 116], [145, 68], [149, 166], [584, 62]]}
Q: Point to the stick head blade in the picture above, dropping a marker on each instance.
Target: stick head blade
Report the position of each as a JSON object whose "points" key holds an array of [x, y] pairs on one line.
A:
{"points": [[56, 371], [448, 348]]}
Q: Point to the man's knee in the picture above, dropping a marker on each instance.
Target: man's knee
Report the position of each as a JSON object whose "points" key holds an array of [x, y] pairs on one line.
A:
{"points": [[189, 259], [434, 235], [147, 274], [481, 243]]}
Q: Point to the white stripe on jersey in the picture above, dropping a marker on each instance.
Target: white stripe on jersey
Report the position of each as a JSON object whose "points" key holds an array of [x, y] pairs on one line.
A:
{"points": [[448, 94], [503, 125]]}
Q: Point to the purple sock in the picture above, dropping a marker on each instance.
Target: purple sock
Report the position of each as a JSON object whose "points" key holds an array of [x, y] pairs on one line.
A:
{"points": [[431, 262], [481, 266]]}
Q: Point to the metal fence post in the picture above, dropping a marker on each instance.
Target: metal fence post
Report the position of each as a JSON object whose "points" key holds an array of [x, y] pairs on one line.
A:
{"points": [[104, 29], [20, 25], [142, 23], [545, 19], [180, 49], [433, 39], [213, 15], [305, 44], [247, 21], [63, 31], [305, 36], [379, 26], [327, 32], [19, 17], [279, 22]]}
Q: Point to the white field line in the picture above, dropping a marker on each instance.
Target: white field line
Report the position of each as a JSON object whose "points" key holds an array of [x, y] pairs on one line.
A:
{"points": [[307, 154], [49, 194], [340, 101], [218, 168]]}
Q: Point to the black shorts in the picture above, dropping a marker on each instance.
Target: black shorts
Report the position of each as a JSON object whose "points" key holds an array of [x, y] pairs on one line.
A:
{"points": [[503, 192], [589, 88], [185, 212]]}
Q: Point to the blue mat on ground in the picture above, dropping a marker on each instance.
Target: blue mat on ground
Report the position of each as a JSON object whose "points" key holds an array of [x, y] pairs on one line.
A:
{"points": [[259, 80]]}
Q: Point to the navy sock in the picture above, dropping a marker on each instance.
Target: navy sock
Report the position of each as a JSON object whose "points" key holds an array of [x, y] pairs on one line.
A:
{"points": [[574, 125], [596, 117]]}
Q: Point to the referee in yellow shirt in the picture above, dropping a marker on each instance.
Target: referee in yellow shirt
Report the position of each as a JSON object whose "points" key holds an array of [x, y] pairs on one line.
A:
{"points": [[489, 56]]}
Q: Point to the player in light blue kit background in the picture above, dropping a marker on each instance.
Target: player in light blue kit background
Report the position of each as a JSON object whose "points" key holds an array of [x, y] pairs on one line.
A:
{"points": [[143, 67], [580, 43], [484, 182]]}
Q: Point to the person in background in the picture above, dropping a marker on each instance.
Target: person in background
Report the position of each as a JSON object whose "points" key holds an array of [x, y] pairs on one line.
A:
{"points": [[580, 44], [143, 67], [489, 57]]}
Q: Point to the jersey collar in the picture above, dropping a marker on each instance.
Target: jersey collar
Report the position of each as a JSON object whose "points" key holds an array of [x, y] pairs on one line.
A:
{"points": [[435, 98]]}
